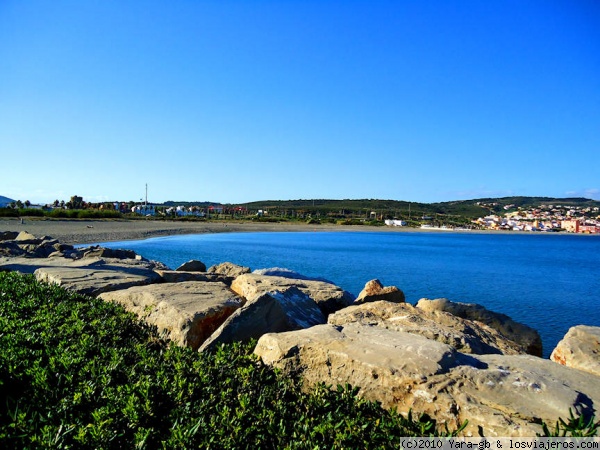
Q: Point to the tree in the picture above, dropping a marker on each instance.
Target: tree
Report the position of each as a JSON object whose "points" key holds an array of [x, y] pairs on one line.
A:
{"points": [[27, 203]]}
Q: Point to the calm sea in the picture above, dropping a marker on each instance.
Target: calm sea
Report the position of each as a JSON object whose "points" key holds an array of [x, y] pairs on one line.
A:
{"points": [[549, 282]]}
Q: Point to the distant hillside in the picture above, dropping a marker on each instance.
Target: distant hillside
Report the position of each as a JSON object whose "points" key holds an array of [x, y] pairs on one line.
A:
{"points": [[5, 200], [466, 209]]}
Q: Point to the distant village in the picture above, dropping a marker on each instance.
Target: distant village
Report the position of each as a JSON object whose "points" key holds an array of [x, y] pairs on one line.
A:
{"points": [[573, 219]]}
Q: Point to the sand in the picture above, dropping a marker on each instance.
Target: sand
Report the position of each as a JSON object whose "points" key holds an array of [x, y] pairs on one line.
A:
{"points": [[78, 231]]}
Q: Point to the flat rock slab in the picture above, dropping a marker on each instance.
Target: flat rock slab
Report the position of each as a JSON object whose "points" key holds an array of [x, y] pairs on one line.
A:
{"points": [[329, 297], [272, 312], [30, 265], [186, 313], [500, 395], [94, 280], [579, 349], [464, 335]]}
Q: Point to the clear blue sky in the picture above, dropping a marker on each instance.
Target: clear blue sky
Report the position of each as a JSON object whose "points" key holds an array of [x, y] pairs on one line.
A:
{"points": [[235, 101]]}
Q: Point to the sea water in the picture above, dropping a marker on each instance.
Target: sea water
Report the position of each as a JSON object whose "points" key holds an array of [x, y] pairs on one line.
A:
{"points": [[547, 281]]}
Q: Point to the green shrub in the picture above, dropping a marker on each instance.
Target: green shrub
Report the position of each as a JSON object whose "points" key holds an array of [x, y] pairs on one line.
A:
{"points": [[9, 212]]}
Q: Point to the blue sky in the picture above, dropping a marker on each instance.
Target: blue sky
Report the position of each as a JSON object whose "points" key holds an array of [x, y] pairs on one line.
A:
{"points": [[235, 101]]}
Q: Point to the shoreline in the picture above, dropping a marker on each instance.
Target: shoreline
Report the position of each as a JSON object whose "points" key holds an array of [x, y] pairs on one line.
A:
{"points": [[89, 231]]}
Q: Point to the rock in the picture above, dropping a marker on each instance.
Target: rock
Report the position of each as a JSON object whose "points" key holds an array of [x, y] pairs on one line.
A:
{"points": [[517, 332], [10, 248], [101, 252], [96, 278], [272, 312], [174, 276], [287, 273], [186, 313], [25, 237], [229, 269], [500, 395], [374, 291], [464, 335], [192, 266], [579, 349], [329, 297], [8, 235]]}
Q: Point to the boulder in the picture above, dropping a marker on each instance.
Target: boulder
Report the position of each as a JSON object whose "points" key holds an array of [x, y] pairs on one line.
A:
{"points": [[10, 248], [25, 237], [229, 269], [329, 297], [8, 235], [579, 349], [271, 312], [464, 335], [287, 273], [174, 276], [192, 266], [500, 395], [101, 252], [374, 291], [97, 277], [521, 334], [186, 313]]}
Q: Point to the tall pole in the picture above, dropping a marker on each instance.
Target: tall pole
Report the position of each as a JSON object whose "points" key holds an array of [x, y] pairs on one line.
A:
{"points": [[146, 195]]}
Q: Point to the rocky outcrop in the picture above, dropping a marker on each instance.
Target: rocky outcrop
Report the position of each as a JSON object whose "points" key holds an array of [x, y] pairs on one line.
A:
{"points": [[229, 269], [374, 291], [272, 312], [329, 297], [186, 313], [522, 334], [192, 265], [580, 349], [500, 395], [464, 335], [25, 244]]}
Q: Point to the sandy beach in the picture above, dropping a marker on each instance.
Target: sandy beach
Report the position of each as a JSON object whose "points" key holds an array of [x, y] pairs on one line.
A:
{"points": [[78, 231]]}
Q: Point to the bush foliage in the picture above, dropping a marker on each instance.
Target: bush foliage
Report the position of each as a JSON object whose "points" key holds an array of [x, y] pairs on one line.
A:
{"points": [[76, 372]]}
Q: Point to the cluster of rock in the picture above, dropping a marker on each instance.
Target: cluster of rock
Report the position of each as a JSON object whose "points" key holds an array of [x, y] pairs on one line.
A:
{"points": [[453, 361]]}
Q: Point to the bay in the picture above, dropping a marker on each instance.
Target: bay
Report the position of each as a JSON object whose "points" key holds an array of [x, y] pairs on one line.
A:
{"points": [[549, 282]]}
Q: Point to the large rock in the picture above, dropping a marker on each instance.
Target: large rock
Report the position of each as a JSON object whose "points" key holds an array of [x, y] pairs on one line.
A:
{"points": [[192, 265], [175, 276], [329, 297], [98, 276], [500, 395], [101, 252], [579, 349], [272, 312], [186, 313], [25, 237], [374, 291], [229, 269], [464, 335], [521, 334], [8, 235]]}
